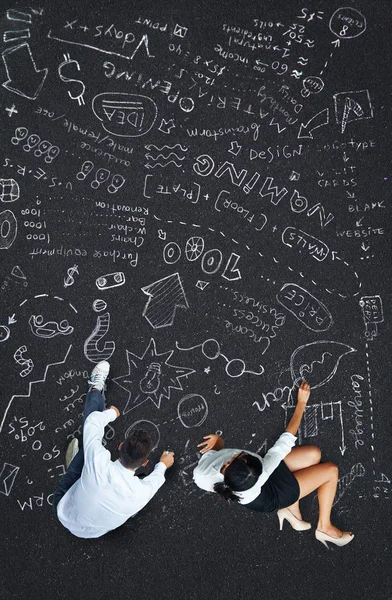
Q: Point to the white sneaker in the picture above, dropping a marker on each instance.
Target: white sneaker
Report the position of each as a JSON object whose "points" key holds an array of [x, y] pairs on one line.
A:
{"points": [[99, 375], [71, 452]]}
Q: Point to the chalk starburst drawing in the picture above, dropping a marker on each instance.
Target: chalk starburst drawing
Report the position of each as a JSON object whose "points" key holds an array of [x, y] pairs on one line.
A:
{"points": [[150, 377]]}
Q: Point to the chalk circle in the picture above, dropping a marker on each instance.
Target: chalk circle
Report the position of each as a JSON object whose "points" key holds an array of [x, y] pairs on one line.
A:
{"points": [[347, 23], [4, 333], [149, 427], [192, 410], [210, 349], [235, 367], [194, 248], [8, 229], [313, 84], [99, 305]]}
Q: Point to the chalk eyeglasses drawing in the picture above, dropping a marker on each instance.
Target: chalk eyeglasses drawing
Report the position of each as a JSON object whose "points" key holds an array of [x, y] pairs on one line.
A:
{"points": [[234, 367]]}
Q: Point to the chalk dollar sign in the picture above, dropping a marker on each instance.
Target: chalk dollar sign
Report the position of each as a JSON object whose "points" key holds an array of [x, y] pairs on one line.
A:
{"points": [[68, 61], [69, 279]]}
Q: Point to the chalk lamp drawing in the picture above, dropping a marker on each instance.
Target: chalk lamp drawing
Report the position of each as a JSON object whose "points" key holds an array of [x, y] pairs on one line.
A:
{"points": [[150, 377]]}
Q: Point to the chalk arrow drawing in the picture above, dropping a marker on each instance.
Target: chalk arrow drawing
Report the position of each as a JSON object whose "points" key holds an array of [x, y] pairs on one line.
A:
{"points": [[165, 296], [31, 383], [322, 118], [24, 78]]}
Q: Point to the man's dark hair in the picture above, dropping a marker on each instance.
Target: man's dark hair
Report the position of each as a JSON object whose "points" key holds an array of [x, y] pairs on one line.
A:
{"points": [[135, 449]]}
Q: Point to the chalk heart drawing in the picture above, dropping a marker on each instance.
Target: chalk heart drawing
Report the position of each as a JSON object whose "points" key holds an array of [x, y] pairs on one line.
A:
{"points": [[150, 377], [125, 115], [317, 362]]}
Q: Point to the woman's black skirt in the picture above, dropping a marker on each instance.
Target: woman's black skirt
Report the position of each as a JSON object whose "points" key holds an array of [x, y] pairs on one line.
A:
{"points": [[279, 491]]}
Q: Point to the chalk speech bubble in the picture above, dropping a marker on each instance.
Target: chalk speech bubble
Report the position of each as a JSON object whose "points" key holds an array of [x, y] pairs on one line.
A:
{"points": [[347, 23], [313, 84], [305, 307], [192, 410], [125, 115], [317, 362]]}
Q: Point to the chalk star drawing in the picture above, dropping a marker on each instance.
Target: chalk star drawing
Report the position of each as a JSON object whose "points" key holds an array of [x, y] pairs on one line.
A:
{"points": [[150, 377]]}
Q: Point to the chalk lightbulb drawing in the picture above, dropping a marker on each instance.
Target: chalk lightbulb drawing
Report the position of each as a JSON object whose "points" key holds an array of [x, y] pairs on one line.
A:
{"points": [[151, 381]]}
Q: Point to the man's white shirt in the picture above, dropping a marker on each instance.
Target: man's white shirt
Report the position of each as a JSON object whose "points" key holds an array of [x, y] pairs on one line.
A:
{"points": [[107, 494]]}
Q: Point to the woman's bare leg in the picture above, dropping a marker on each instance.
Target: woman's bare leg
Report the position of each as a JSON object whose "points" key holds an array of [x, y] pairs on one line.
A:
{"points": [[324, 479], [300, 458]]}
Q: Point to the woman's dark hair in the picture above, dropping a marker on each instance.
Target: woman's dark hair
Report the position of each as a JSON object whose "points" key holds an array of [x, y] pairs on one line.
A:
{"points": [[135, 449], [240, 475]]}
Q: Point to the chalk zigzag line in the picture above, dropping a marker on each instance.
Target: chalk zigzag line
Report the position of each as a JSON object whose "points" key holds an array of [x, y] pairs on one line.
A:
{"points": [[31, 383], [165, 146], [158, 164], [164, 157]]}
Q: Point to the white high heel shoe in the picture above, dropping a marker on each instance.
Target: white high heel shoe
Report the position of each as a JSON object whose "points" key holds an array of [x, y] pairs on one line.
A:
{"points": [[322, 537], [295, 523]]}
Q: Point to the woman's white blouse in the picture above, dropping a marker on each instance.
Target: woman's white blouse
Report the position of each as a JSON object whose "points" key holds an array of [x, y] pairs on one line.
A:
{"points": [[207, 472]]}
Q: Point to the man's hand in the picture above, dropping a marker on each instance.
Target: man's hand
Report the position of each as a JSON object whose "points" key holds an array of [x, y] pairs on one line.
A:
{"points": [[303, 393], [167, 458], [213, 442], [116, 409]]}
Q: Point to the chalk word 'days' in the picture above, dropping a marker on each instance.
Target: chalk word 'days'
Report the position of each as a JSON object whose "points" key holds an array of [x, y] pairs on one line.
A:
{"points": [[211, 261], [293, 237], [306, 308], [192, 410], [125, 115]]}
